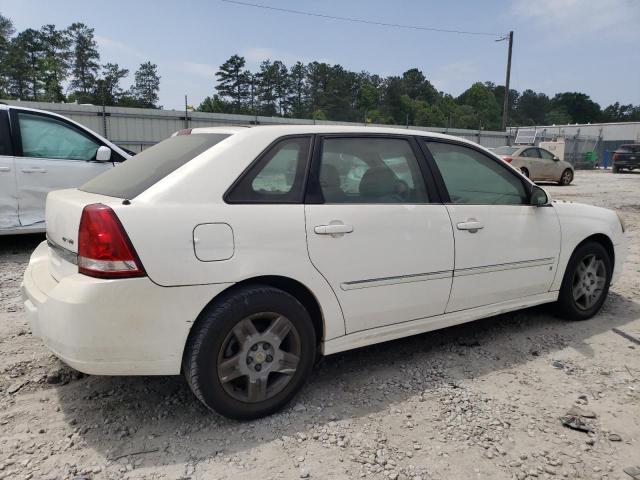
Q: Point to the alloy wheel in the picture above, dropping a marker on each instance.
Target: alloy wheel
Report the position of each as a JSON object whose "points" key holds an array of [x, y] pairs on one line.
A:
{"points": [[589, 281], [259, 357], [567, 177]]}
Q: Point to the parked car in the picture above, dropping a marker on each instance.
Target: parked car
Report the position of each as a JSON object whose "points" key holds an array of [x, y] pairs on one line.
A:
{"points": [[537, 163], [39, 152], [626, 157], [235, 255]]}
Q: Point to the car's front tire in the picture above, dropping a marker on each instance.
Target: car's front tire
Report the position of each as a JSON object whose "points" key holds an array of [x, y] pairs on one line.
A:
{"points": [[586, 282], [250, 352]]}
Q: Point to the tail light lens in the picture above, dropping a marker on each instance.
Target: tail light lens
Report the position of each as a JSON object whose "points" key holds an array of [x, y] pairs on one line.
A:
{"points": [[616, 157], [104, 248], [507, 159]]}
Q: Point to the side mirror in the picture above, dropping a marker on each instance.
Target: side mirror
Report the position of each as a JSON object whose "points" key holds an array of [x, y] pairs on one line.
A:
{"points": [[557, 159], [539, 197], [103, 154]]}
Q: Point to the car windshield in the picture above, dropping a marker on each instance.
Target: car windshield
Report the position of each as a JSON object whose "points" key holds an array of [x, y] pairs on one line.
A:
{"points": [[505, 150], [131, 178]]}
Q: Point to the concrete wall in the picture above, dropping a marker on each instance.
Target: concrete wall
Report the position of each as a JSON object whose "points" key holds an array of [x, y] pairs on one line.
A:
{"points": [[138, 128]]}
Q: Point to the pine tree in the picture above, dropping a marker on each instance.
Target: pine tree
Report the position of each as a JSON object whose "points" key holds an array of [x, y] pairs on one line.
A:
{"points": [[85, 60], [298, 90], [56, 61], [147, 85], [107, 89], [6, 32], [234, 82]]}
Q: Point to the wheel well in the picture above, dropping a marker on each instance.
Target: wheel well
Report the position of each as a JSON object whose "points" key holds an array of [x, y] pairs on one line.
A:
{"points": [[293, 288], [606, 242]]}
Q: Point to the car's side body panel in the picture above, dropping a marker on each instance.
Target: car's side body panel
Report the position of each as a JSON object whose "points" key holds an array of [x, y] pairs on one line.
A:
{"points": [[579, 222]]}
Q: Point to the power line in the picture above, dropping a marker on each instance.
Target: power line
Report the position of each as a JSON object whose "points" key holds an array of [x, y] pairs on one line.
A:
{"points": [[361, 20]]}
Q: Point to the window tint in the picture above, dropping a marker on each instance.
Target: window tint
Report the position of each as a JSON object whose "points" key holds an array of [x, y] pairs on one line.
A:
{"points": [[473, 178], [370, 170], [531, 153], [545, 154], [135, 175], [278, 175], [48, 137]]}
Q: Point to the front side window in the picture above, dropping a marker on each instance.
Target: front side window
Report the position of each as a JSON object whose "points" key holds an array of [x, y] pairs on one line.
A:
{"points": [[545, 154], [370, 170], [472, 178], [277, 177], [48, 137]]}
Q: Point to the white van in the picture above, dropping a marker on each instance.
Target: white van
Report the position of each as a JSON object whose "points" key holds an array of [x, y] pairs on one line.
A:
{"points": [[40, 152]]}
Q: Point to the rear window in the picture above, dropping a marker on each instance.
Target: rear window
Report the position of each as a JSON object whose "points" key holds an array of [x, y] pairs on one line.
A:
{"points": [[505, 150], [134, 176]]}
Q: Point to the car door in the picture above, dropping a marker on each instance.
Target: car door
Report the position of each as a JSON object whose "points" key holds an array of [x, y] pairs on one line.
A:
{"points": [[376, 231], [505, 249], [8, 193], [550, 167], [52, 154], [533, 163]]}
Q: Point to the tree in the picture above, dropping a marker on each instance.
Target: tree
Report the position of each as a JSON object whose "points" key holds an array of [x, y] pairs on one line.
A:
{"points": [[266, 84], [6, 32], [85, 60], [579, 107], [56, 61], [298, 90], [146, 85], [107, 89], [215, 105], [234, 81], [483, 102], [532, 108]]}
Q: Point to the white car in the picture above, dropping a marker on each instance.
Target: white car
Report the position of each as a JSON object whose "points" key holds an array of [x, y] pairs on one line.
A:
{"points": [[245, 252], [40, 152]]}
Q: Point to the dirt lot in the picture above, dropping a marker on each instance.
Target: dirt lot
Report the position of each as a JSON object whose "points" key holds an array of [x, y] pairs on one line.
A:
{"points": [[481, 400]]}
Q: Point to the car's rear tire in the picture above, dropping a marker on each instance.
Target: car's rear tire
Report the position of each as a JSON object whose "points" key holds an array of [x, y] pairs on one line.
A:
{"points": [[566, 178], [525, 172], [250, 352], [586, 282], [615, 169]]}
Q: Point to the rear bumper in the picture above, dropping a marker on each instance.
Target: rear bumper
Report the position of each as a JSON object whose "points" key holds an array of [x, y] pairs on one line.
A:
{"points": [[111, 327]]}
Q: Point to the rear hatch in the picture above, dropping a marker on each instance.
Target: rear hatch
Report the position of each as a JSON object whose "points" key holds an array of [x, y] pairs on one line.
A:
{"points": [[63, 213]]}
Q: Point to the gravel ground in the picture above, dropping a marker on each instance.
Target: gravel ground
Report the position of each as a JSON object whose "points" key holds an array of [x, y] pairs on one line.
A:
{"points": [[481, 400]]}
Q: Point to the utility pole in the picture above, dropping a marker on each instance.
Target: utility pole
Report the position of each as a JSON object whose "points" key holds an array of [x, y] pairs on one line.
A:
{"points": [[186, 113], [505, 103]]}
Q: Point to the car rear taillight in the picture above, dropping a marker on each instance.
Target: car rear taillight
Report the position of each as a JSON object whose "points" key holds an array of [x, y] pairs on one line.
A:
{"points": [[104, 248], [616, 156], [507, 159], [184, 131]]}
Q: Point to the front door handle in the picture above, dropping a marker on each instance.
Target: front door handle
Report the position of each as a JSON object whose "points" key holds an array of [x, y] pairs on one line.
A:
{"points": [[333, 229], [34, 170], [5, 169], [471, 225]]}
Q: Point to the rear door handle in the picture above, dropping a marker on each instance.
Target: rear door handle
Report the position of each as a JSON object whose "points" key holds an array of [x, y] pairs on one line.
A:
{"points": [[333, 229], [471, 225], [34, 170]]}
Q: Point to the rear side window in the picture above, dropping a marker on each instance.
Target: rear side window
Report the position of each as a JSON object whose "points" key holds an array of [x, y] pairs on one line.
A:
{"points": [[134, 176], [277, 176], [472, 178], [370, 170]]}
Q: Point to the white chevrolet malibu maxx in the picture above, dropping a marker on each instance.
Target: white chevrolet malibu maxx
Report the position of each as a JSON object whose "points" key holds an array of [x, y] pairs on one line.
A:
{"points": [[236, 255]]}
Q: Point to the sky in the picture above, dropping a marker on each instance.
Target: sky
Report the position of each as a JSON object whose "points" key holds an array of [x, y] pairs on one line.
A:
{"points": [[592, 46]]}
